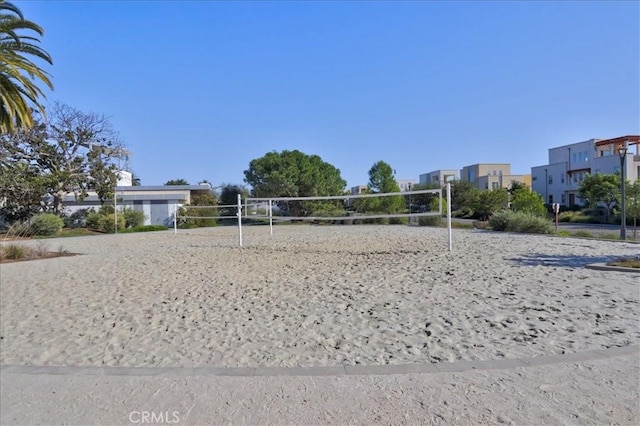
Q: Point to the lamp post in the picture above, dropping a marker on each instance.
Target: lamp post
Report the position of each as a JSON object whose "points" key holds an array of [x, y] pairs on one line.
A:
{"points": [[622, 151]]}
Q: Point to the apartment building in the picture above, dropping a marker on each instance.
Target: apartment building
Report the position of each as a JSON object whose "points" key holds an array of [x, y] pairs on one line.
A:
{"points": [[439, 177], [359, 189], [558, 181], [492, 175], [406, 184]]}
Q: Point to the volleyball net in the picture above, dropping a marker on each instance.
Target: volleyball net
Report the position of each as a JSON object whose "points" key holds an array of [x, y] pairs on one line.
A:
{"points": [[379, 208]]}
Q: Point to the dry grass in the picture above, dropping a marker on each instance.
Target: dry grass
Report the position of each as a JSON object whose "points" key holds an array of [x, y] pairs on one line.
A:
{"points": [[629, 262], [16, 252]]}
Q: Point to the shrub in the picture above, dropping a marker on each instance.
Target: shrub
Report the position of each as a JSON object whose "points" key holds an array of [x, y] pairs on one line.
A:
{"points": [[104, 222], [77, 219], [585, 234], [506, 220], [133, 218], [145, 228], [46, 224], [500, 220], [13, 252], [398, 220], [430, 221], [529, 223]]}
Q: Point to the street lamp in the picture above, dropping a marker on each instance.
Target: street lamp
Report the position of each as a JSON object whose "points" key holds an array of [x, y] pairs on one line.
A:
{"points": [[622, 151]]}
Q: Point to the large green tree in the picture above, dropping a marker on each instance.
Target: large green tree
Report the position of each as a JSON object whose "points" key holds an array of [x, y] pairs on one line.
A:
{"points": [[485, 203], [74, 152], [381, 180], [19, 74], [601, 188], [462, 194], [294, 174]]}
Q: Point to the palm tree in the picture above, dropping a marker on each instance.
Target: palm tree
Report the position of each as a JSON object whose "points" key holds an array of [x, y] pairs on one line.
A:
{"points": [[18, 73]]}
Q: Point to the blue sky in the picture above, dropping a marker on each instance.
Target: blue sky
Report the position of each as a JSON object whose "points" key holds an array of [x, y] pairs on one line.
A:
{"points": [[199, 89]]}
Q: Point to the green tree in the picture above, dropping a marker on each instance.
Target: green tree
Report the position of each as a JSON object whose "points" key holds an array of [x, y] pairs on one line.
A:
{"points": [[526, 201], [516, 186], [19, 74], [486, 203], [632, 192], [73, 152], [462, 194], [381, 180], [294, 174], [229, 197], [201, 217], [600, 188], [176, 182], [422, 202]]}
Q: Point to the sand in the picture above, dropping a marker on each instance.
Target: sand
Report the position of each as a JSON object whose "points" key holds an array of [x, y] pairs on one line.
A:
{"points": [[314, 296]]}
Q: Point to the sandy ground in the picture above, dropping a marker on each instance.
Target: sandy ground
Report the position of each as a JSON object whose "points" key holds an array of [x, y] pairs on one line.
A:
{"points": [[326, 296], [314, 296]]}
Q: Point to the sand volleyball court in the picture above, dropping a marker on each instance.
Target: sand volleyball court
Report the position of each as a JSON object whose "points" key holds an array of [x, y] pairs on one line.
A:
{"points": [[314, 296]]}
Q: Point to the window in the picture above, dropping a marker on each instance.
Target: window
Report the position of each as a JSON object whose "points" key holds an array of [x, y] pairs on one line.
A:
{"points": [[534, 178], [586, 156], [574, 157], [550, 180], [495, 185], [561, 177], [550, 199], [563, 201]]}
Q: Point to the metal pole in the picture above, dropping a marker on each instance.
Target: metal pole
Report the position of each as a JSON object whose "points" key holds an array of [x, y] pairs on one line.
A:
{"points": [[175, 218], [240, 219], [270, 218], [115, 211], [449, 216], [623, 213]]}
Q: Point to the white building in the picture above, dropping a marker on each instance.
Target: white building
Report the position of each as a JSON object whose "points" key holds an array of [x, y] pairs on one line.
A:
{"points": [[439, 177], [405, 184], [558, 181]]}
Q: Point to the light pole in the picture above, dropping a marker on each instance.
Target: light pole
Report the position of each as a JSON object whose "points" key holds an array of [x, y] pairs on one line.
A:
{"points": [[622, 151]]}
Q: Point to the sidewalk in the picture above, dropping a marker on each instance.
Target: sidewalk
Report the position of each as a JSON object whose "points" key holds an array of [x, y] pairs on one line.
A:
{"points": [[594, 387]]}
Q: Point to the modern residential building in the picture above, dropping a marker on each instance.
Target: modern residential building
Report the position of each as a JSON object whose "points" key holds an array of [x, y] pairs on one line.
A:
{"points": [[439, 177], [558, 181], [405, 184], [359, 189], [157, 202], [492, 175]]}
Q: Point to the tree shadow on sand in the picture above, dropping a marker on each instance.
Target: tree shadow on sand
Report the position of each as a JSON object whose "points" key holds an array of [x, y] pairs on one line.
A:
{"points": [[560, 260]]}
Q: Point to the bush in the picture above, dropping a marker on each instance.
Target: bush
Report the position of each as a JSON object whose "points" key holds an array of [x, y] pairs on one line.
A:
{"points": [[13, 252], [529, 223], [509, 221], [133, 218], [398, 220], [584, 234], [145, 228], [77, 219], [46, 224], [430, 221], [104, 222], [500, 220]]}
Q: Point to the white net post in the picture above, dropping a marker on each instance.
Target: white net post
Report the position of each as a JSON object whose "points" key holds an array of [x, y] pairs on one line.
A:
{"points": [[448, 215], [240, 219], [270, 217], [175, 218]]}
